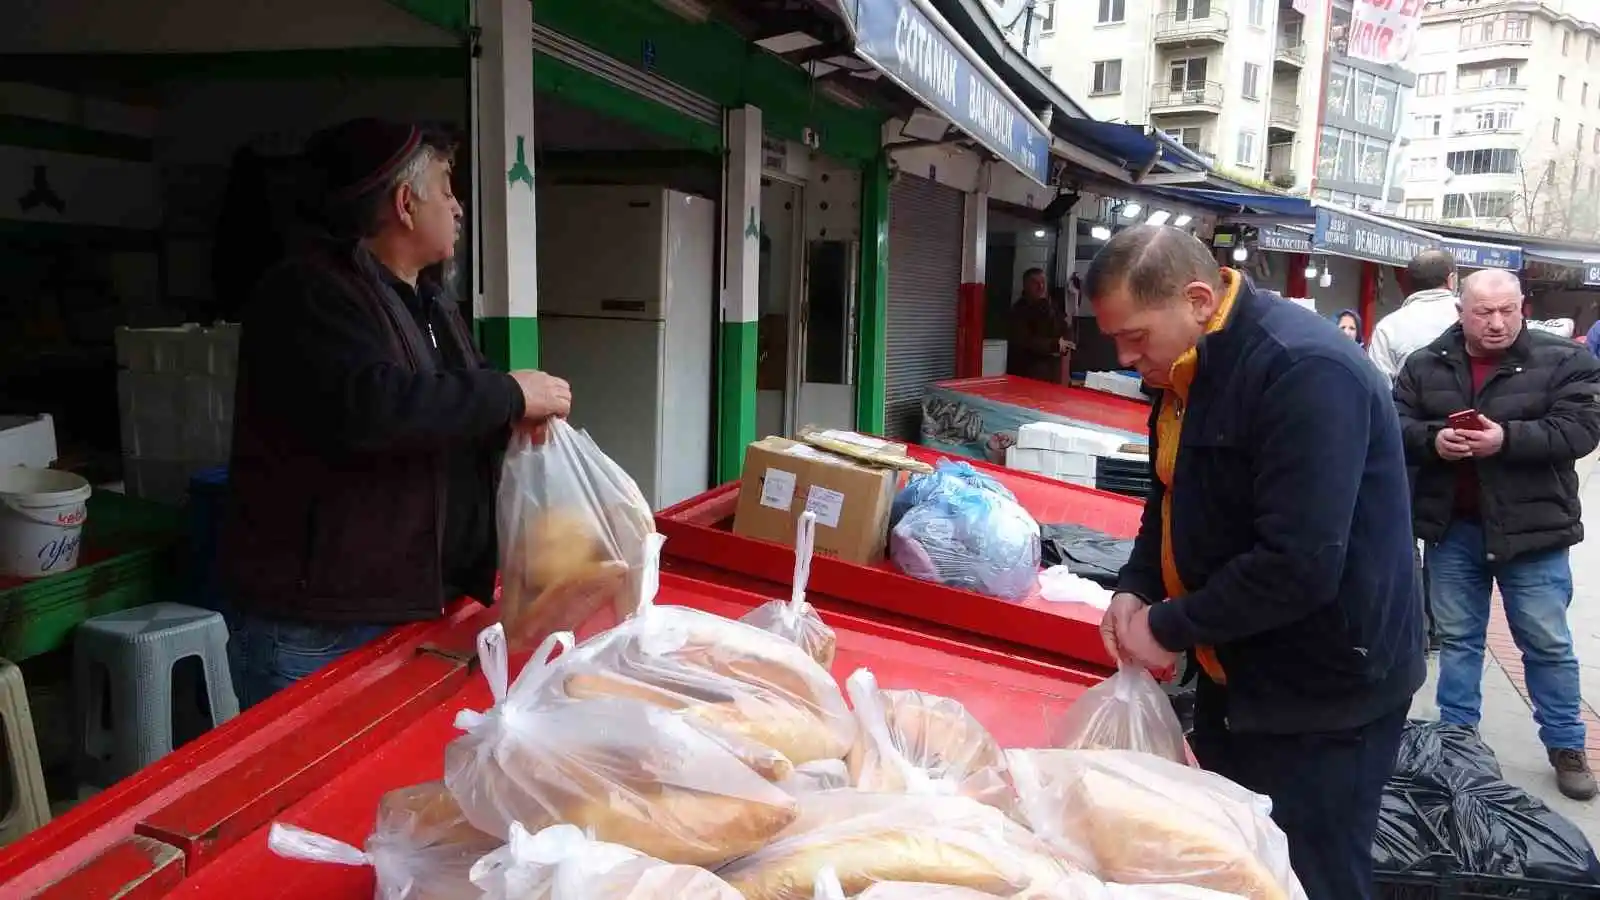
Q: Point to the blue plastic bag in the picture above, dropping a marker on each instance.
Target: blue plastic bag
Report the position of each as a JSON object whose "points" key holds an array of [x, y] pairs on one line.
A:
{"points": [[969, 537], [948, 475]]}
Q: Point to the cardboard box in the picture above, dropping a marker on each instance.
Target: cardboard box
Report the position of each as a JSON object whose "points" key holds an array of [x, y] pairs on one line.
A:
{"points": [[784, 478]]}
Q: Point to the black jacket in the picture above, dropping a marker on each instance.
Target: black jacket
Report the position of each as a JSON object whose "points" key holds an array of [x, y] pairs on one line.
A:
{"points": [[1289, 515], [1544, 395], [348, 428]]}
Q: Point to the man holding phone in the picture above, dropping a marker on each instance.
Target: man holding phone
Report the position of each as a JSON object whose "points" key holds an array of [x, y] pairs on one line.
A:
{"points": [[1494, 415]]}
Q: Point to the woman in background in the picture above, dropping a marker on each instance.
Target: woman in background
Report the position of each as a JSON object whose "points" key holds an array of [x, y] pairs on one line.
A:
{"points": [[1349, 322]]}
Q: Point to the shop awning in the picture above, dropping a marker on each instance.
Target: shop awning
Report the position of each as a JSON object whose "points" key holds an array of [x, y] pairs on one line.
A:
{"points": [[1132, 145], [1283, 239], [1280, 206], [914, 47], [1482, 255], [1571, 259], [1358, 235]]}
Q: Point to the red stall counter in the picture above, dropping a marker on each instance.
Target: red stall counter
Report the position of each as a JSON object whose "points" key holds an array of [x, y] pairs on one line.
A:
{"points": [[1065, 401], [220, 831], [700, 543]]}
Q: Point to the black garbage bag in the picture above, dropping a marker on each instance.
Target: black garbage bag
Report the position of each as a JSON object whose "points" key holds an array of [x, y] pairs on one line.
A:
{"points": [[1429, 748], [1447, 810], [1088, 553]]}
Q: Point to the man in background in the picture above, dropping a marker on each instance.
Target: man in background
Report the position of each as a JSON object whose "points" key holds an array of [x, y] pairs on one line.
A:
{"points": [[1494, 416], [1275, 546], [368, 428], [1038, 336], [1423, 316]]}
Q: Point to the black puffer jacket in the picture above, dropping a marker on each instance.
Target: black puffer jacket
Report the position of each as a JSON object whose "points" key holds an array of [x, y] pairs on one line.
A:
{"points": [[1546, 395]]}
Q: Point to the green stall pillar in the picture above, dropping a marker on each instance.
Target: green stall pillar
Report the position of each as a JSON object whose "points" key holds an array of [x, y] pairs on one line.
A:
{"points": [[736, 393], [873, 281]]}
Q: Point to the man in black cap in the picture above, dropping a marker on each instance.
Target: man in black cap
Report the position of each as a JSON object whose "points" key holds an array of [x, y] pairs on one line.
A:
{"points": [[368, 428]]}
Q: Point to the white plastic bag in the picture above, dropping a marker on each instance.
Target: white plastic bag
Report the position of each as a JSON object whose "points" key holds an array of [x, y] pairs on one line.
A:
{"points": [[870, 838], [412, 857], [911, 742], [818, 775], [634, 773], [1130, 818], [1127, 711], [572, 533], [796, 620], [750, 685], [562, 863]]}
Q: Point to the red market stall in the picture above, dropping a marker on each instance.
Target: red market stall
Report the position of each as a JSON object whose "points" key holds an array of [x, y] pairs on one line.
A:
{"points": [[701, 543], [208, 836]]}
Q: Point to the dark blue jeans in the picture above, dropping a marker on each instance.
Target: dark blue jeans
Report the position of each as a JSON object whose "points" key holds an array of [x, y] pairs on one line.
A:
{"points": [[1536, 589], [268, 655]]}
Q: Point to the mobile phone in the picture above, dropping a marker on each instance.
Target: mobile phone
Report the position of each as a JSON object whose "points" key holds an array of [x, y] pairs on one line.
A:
{"points": [[1466, 420]]}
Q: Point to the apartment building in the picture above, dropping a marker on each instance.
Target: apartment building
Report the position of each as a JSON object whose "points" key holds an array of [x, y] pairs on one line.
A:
{"points": [[1361, 125], [1505, 121], [1236, 80]]}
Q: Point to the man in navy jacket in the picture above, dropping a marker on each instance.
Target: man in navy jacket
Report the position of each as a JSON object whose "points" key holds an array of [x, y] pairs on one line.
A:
{"points": [[1276, 543]]}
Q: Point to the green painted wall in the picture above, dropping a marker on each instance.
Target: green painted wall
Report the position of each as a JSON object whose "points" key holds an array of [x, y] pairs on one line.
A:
{"points": [[736, 398], [510, 343], [874, 300]]}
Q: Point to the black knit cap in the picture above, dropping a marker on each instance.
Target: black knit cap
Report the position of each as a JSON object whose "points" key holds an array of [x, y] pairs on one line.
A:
{"points": [[354, 157]]}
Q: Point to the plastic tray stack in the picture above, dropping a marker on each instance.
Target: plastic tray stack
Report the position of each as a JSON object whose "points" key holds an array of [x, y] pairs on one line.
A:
{"points": [[175, 393]]}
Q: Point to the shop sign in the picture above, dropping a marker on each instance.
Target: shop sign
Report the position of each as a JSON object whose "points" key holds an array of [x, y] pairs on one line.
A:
{"points": [[1282, 240], [1591, 274], [901, 38], [1343, 235], [1382, 31], [1473, 255]]}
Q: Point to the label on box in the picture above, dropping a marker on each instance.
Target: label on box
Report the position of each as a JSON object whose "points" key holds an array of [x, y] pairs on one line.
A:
{"points": [[826, 504], [851, 437], [777, 489]]}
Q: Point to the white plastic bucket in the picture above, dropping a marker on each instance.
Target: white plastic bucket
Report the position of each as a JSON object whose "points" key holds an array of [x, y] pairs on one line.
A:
{"points": [[42, 512]]}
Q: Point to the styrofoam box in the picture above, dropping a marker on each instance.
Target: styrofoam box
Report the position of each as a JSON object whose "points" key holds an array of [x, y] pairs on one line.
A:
{"points": [[27, 441], [151, 406], [1114, 383], [1067, 439], [1025, 459], [1075, 465]]}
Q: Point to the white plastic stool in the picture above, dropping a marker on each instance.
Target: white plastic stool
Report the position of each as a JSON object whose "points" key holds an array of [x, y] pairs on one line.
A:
{"points": [[123, 681], [28, 806]]}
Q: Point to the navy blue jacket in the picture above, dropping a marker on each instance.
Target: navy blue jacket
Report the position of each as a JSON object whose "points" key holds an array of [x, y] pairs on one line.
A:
{"points": [[1291, 526]]}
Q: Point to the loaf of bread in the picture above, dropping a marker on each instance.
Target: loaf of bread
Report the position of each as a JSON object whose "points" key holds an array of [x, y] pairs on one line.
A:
{"points": [[633, 773], [906, 736], [562, 863], [799, 624], [729, 675], [1133, 818], [871, 838], [565, 570]]}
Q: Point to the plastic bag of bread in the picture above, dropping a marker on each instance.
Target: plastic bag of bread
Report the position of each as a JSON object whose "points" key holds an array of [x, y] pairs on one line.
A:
{"points": [[795, 619], [1083, 886], [870, 838], [747, 683], [829, 888], [911, 742], [421, 847], [632, 773], [818, 775], [572, 530], [1127, 711], [1131, 818], [563, 863]]}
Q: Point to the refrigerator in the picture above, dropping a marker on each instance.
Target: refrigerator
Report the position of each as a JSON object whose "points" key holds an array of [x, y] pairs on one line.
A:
{"points": [[628, 315]]}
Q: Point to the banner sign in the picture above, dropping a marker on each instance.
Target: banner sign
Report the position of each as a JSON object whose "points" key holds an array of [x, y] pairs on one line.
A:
{"points": [[1282, 240], [1591, 273], [1382, 31], [901, 39], [1475, 255], [1343, 235]]}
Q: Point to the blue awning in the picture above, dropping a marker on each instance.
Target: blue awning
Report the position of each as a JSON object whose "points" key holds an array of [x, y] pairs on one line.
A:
{"points": [[1483, 255], [1357, 235], [914, 47], [1288, 208], [1132, 145]]}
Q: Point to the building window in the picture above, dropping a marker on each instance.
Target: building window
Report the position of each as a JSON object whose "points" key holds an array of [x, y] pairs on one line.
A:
{"points": [[1190, 138], [1247, 148], [1047, 16], [1425, 126], [1555, 131], [1347, 156], [1482, 204], [1421, 167], [1420, 210], [1258, 13], [1112, 11], [1478, 79], [1561, 87], [1107, 77], [1488, 117], [1430, 85], [1518, 27], [1252, 81], [1496, 161], [1187, 74], [1488, 29]]}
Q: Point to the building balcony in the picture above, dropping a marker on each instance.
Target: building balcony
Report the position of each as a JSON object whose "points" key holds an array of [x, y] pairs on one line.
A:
{"points": [[1190, 30], [1284, 115], [1195, 96], [1289, 55]]}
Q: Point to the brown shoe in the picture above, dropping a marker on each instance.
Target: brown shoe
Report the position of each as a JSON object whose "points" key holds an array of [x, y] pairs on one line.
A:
{"points": [[1573, 777]]}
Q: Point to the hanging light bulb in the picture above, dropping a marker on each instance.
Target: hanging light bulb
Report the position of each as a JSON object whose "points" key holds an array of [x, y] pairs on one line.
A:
{"points": [[1039, 233], [1182, 220], [1131, 209], [1159, 217], [1100, 233], [1240, 254], [1311, 270], [1327, 279]]}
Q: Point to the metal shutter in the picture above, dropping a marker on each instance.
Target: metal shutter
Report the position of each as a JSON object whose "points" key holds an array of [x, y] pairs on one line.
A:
{"points": [[585, 58], [924, 281]]}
